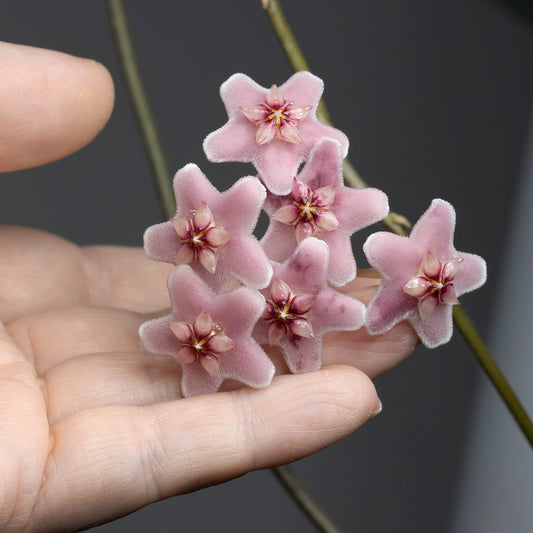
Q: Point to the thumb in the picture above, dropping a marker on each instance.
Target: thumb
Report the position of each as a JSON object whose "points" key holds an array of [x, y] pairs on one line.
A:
{"points": [[155, 452]]}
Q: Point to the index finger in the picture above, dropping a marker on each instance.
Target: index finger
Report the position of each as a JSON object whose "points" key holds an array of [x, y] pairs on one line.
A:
{"points": [[51, 104]]}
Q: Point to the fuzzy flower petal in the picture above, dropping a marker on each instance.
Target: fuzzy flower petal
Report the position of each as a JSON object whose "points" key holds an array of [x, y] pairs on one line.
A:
{"points": [[422, 276], [225, 222], [195, 312], [305, 308], [275, 151], [337, 213]]}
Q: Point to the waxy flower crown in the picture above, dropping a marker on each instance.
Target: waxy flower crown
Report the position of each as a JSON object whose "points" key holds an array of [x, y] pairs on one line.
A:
{"points": [[283, 298]]}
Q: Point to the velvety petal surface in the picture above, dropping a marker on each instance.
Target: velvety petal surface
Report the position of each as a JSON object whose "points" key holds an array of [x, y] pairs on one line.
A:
{"points": [[354, 209], [401, 259], [236, 311], [434, 230], [471, 275], [305, 273], [235, 210], [277, 162], [437, 329]]}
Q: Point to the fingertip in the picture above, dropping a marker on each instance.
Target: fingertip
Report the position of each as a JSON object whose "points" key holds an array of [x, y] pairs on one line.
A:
{"points": [[246, 429], [99, 93], [312, 411], [51, 104]]}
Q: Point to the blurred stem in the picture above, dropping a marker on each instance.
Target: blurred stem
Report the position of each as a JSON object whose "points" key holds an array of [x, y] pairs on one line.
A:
{"points": [[480, 350], [298, 62], [399, 225], [285, 475], [141, 107]]}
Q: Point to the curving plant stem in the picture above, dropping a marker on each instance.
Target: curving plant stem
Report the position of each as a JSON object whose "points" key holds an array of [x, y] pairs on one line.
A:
{"points": [[298, 62], [397, 224], [157, 159], [473, 339], [139, 101]]}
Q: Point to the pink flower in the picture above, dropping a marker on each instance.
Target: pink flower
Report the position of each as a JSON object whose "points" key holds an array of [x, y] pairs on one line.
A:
{"points": [[212, 231], [321, 206], [422, 276], [273, 129], [301, 308], [210, 334]]}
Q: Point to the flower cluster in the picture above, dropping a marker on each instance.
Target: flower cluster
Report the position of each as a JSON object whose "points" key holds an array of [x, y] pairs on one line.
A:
{"points": [[232, 294]]}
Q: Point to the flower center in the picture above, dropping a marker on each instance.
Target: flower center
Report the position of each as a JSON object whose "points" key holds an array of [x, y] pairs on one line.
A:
{"points": [[286, 312], [276, 118], [201, 238], [283, 311], [202, 341], [433, 283], [310, 212], [196, 235], [277, 115]]}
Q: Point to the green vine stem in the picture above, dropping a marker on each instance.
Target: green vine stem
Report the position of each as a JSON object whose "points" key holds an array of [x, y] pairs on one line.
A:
{"points": [[291, 484], [397, 224], [145, 119], [154, 149], [473, 339], [298, 62]]}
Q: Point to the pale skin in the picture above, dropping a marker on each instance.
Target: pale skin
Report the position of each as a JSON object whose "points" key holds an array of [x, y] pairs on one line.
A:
{"points": [[91, 426]]}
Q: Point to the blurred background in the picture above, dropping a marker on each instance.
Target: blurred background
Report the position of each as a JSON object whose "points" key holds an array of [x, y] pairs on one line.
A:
{"points": [[435, 98]]}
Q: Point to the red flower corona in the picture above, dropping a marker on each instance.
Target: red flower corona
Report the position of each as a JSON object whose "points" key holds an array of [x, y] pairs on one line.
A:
{"points": [[276, 118]]}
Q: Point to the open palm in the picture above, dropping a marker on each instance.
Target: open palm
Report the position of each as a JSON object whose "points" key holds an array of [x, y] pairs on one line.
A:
{"points": [[93, 427]]}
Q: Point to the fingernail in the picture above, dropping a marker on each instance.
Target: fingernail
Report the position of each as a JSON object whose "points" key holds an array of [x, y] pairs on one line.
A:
{"points": [[378, 410]]}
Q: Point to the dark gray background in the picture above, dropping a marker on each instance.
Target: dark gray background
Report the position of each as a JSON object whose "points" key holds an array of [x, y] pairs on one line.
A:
{"points": [[435, 97]]}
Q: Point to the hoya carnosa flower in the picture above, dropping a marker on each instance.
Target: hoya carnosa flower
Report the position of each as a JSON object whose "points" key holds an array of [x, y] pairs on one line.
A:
{"points": [[212, 231], [320, 206], [301, 308], [423, 275], [209, 334], [274, 128]]}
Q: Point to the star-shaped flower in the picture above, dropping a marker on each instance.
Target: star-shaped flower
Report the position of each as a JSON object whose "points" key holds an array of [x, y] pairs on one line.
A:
{"points": [[321, 206], [422, 276], [212, 231], [210, 334], [273, 129], [301, 308]]}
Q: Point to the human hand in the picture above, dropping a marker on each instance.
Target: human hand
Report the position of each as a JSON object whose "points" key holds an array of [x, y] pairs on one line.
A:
{"points": [[91, 426]]}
